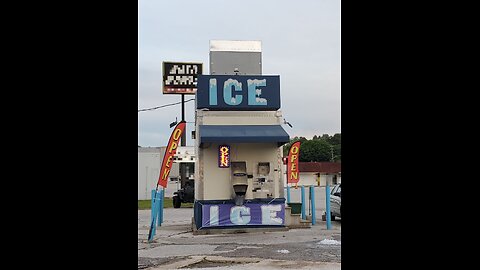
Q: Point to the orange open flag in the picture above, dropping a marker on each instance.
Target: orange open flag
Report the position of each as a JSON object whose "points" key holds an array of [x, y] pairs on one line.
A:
{"points": [[169, 153], [292, 164]]}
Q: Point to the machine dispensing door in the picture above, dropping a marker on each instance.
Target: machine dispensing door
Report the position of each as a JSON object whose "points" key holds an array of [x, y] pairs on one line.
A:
{"points": [[239, 181]]}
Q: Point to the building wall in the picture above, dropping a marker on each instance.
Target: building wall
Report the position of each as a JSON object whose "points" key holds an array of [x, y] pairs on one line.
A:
{"points": [[149, 162], [239, 117], [217, 182], [212, 182], [308, 179]]}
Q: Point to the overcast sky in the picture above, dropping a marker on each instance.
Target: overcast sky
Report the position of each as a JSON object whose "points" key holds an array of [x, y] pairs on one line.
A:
{"points": [[300, 42]]}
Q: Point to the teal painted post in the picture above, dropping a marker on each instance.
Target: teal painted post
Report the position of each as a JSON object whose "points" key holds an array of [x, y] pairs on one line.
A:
{"points": [[303, 203], [288, 194], [312, 199], [163, 202], [153, 213], [160, 207], [327, 206]]}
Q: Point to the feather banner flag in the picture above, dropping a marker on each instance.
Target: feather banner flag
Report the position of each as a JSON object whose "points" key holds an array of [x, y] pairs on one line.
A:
{"points": [[292, 164], [169, 153]]}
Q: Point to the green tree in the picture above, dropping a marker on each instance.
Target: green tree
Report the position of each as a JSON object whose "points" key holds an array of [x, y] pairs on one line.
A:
{"points": [[318, 149], [337, 153], [315, 150], [286, 147], [336, 139], [325, 137]]}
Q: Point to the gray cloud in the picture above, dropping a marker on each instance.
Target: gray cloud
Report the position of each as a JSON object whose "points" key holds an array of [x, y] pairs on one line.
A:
{"points": [[300, 42]]}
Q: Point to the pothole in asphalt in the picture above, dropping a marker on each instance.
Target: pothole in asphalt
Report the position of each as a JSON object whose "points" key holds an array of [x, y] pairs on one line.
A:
{"points": [[209, 263]]}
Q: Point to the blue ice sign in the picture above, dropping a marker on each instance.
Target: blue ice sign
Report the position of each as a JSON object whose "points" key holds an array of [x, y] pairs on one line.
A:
{"points": [[238, 92]]}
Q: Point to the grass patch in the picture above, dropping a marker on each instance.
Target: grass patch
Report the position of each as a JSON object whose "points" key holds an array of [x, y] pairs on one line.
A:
{"points": [[168, 203], [144, 204]]}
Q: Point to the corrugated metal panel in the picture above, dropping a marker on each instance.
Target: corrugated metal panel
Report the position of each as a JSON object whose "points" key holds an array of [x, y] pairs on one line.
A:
{"points": [[230, 57], [235, 45], [232, 63]]}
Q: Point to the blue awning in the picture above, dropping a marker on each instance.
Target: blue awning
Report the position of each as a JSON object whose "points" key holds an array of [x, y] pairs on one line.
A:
{"points": [[243, 134]]}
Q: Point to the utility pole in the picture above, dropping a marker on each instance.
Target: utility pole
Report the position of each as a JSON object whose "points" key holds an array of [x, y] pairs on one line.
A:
{"points": [[183, 142], [180, 78], [184, 138]]}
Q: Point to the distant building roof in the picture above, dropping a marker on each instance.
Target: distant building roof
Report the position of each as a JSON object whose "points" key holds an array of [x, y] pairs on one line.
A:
{"points": [[320, 167], [181, 150], [150, 149]]}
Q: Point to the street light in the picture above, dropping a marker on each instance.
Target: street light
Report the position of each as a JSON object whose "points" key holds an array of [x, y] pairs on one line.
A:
{"points": [[287, 123], [173, 123]]}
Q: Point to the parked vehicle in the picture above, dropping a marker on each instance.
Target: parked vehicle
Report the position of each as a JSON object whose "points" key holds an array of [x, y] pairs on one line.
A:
{"points": [[184, 194], [336, 202]]}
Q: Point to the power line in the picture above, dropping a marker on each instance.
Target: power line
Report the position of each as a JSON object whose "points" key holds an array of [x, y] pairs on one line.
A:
{"points": [[163, 106]]}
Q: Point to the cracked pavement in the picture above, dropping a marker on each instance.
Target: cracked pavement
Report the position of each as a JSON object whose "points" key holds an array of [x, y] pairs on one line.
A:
{"points": [[174, 246]]}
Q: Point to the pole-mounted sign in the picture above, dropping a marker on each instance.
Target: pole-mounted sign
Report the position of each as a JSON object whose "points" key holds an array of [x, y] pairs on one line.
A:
{"points": [[180, 78]]}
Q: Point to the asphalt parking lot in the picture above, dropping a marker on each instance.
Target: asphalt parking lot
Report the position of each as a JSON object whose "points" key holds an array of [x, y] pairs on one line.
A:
{"points": [[176, 247]]}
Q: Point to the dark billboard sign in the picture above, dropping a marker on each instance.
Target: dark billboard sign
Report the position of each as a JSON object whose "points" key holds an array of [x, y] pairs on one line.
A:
{"points": [[181, 78]]}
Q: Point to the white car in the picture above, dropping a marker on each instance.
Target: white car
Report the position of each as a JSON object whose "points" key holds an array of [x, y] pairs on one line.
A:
{"points": [[336, 202]]}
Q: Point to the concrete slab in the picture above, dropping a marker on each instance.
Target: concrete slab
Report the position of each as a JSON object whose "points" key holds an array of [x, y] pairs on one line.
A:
{"points": [[215, 262], [175, 242], [177, 250]]}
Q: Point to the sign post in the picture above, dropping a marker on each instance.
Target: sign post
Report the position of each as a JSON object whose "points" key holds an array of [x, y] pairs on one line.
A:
{"points": [[312, 199], [327, 206], [163, 177], [181, 78]]}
